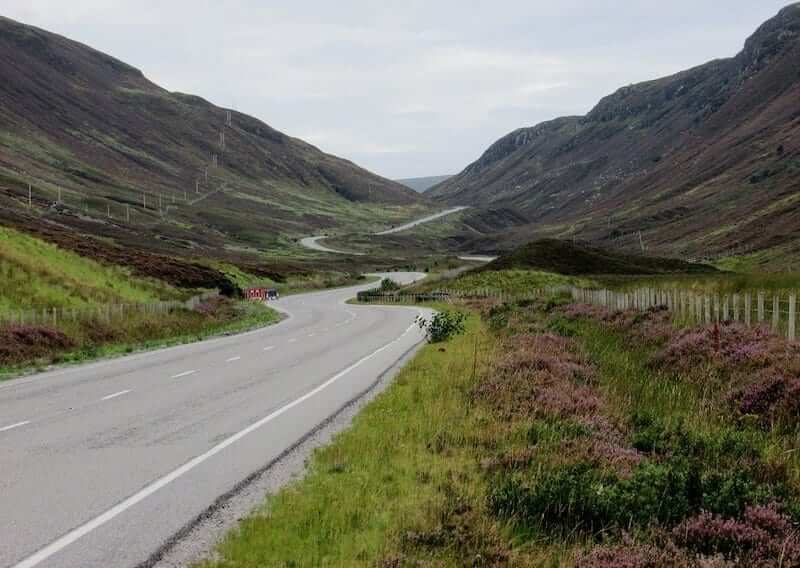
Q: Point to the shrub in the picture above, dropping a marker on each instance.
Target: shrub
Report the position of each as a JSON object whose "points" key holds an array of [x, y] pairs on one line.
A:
{"points": [[20, 343], [442, 326], [389, 285]]}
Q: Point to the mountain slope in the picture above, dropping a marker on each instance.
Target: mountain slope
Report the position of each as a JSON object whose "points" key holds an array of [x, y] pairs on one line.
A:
{"points": [[77, 123], [422, 184], [702, 162]]}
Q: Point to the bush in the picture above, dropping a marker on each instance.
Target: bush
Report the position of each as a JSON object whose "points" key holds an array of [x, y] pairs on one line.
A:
{"points": [[389, 285], [442, 326]]}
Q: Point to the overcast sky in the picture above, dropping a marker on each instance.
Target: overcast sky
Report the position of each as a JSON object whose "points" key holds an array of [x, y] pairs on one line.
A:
{"points": [[419, 88]]}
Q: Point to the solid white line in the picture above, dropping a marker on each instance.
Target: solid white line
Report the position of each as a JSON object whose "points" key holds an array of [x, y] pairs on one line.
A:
{"points": [[12, 426], [100, 520], [232, 359], [186, 374], [115, 395]]}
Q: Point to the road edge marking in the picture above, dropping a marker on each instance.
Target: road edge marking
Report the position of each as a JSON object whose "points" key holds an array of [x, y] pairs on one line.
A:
{"points": [[76, 534]]}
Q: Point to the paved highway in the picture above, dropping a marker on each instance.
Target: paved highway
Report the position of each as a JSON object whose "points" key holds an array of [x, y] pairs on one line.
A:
{"points": [[314, 244], [101, 464], [421, 221]]}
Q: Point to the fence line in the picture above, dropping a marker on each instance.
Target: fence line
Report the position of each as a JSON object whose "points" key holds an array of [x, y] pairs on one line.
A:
{"points": [[778, 309], [107, 312]]}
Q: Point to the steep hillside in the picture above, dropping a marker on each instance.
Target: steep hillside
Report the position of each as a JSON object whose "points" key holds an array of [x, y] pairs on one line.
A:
{"points": [[702, 162], [109, 153], [422, 184]]}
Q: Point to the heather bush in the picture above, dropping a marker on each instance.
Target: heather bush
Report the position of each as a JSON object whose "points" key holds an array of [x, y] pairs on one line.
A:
{"points": [[764, 536], [20, 343]]}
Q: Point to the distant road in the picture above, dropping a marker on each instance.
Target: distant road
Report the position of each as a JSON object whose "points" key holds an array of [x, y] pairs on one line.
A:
{"points": [[102, 464], [421, 221], [313, 242]]}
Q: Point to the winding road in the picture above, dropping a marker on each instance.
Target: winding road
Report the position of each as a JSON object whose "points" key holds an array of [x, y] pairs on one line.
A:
{"points": [[313, 242], [103, 464]]}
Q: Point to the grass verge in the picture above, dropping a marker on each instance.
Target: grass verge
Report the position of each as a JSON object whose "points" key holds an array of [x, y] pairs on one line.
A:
{"points": [[26, 349]]}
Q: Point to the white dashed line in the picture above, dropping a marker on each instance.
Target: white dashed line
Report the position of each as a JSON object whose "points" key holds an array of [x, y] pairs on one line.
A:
{"points": [[292, 340], [79, 532], [12, 426], [232, 359], [270, 348], [115, 395], [186, 374], [311, 334]]}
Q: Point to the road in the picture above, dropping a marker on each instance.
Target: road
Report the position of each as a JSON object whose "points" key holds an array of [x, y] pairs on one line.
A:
{"points": [[313, 242], [103, 463], [421, 221]]}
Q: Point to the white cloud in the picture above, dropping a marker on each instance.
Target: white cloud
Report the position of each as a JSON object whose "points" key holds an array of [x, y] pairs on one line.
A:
{"points": [[407, 89]]}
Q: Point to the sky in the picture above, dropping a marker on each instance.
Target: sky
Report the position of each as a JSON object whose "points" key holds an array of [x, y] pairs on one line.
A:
{"points": [[405, 89]]}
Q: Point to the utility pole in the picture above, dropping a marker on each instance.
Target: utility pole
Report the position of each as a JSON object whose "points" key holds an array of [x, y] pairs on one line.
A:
{"points": [[108, 210], [59, 195], [641, 241], [206, 174], [159, 201], [144, 201], [127, 213], [30, 196], [228, 119], [197, 186]]}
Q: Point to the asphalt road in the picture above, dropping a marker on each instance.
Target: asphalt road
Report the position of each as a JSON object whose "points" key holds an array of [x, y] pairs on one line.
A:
{"points": [[421, 221], [103, 463], [313, 242]]}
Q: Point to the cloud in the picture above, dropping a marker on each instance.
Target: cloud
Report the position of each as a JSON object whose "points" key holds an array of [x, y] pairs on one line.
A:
{"points": [[412, 89]]}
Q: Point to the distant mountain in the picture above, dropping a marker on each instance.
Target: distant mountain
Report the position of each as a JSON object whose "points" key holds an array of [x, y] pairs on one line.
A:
{"points": [[704, 161], [194, 178], [422, 184]]}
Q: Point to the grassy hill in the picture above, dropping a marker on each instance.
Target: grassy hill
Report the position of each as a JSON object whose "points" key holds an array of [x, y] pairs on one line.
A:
{"points": [[703, 162], [569, 258], [110, 154]]}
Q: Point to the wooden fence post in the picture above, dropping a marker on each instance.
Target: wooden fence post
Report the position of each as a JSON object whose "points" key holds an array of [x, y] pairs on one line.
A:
{"points": [[736, 307], [776, 312], [726, 309], [792, 310], [760, 307], [748, 308]]}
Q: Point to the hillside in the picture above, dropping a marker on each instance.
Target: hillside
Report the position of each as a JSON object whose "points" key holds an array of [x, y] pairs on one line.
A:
{"points": [[110, 154], [703, 162], [422, 184], [577, 259]]}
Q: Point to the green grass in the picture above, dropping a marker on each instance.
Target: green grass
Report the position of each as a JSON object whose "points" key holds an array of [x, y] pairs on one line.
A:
{"points": [[34, 274], [724, 283], [363, 490], [93, 339], [506, 281]]}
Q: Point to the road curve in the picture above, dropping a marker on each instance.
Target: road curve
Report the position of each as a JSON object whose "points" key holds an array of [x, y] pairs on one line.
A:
{"points": [[103, 463], [427, 219], [313, 242]]}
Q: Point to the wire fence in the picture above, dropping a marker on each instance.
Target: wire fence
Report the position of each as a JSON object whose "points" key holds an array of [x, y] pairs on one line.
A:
{"points": [[776, 309], [53, 316]]}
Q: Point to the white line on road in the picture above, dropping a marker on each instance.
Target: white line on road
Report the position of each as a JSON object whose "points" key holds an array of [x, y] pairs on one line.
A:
{"points": [[185, 374], [232, 359], [269, 348], [76, 534], [312, 334], [115, 395], [12, 426], [292, 340]]}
